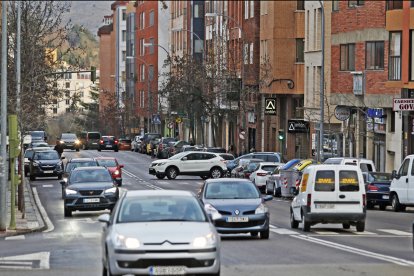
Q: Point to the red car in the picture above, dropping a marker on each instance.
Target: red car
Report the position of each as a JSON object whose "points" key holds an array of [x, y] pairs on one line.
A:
{"points": [[113, 166]]}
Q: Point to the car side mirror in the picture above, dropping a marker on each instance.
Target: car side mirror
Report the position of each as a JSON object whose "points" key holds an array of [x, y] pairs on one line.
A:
{"points": [[267, 198], [394, 174], [105, 218], [184, 158], [121, 166]]}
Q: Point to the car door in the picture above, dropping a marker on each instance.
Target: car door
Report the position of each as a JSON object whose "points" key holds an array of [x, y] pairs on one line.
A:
{"points": [[350, 191], [188, 162], [300, 199], [410, 187], [403, 181]]}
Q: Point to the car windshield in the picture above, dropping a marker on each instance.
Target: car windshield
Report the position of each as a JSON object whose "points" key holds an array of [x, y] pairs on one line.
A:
{"points": [[231, 190], [108, 138], [46, 155], [178, 156], [94, 135], [28, 153], [68, 136], [379, 177], [81, 176], [37, 134], [107, 162], [40, 145], [160, 208], [71, 165]]}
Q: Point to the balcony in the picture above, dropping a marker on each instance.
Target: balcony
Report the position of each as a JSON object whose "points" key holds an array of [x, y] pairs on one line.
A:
{"points": [[394, 68]]}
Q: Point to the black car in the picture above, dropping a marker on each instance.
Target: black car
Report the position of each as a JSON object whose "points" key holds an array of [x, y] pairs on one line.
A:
{"points": [[28, 153], [75, 163], [70, 141], [377, 187], [108, 143], [89, 189], [240, 205], [45, 163]]}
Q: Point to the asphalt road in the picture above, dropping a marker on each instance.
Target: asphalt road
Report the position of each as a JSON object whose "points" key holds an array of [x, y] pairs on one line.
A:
{"points": [[71, 246]]}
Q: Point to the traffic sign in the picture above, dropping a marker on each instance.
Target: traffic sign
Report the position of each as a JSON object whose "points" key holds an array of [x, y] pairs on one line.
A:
{"points": [[156, 119], [270, 106], [178, 120]]}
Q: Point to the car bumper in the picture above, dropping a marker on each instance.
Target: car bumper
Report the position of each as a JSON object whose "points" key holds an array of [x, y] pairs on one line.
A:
{"points": [[108, 147], [71, 146], [334, 217], [256, 223], [77, 203], [260, 181], [140, 263], [380, 197], [45, 173]]}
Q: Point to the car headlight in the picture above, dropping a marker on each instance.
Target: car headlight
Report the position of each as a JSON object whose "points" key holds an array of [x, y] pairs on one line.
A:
{"points": [[62, 142], [59, 164], [262, 209], [162, 163], [121, 241], [77, 142], [204, 241], [70, 192], [210, 209], [111, 190], [35, 164], [65, 179], [116, 172]]}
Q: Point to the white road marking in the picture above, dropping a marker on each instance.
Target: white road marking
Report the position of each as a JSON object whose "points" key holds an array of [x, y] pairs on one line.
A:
{"points": [[395, 232], [354, 250], [47, 186], [364, 233], [162, 182], [19, 237], [325, 232], [272, 226], [284, 231], [49, 224], [26, 261]]}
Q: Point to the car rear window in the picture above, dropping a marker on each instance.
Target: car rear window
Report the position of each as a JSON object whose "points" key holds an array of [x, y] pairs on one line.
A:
{"points": [[348, 181], [68, 136], [94, 135], [325, 181], [108, 138], [269, 168]]}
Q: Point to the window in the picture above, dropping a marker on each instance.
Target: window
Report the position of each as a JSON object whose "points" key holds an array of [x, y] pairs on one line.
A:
{"points": [[300, 5], [348, 181], [54, 110], [335, 5], [347, 57], [67, 109], [67, 94], [123, 55], [142, 72], [325, 181], [123, 35], [246, 53], [151, 48], [263, 7], [67, 102], [251, 53], [141, 47], [374, 55], [395, 4], [123, 15], [251, 9], [198, 11], [392, 122], [354, 3], [404, 168], [300, 50], [263, 51], [394, 63], [67, 85], [151, 72], [412, 55], [142, 98], [151, 18], [246, 9], [142, 20]]}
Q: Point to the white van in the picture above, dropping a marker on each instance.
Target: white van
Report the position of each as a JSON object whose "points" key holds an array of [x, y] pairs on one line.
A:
{"points": [[402, 185], [365, 165], [330, 194]]}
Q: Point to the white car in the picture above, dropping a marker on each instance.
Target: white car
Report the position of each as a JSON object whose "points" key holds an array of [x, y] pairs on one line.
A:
{"points": [[260, 175], [136, 143], [203, 164]]}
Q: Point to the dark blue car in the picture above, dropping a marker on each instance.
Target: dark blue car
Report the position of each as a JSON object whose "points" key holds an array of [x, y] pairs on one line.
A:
{"points": [[377, 186]]}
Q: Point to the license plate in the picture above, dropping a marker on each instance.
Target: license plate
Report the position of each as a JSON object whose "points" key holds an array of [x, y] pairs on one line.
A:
{"points": [[108, 146], [94, 143], [47, 171], [385, 197], [90, 200], [167, 270], [324, 206], [237, 219]]}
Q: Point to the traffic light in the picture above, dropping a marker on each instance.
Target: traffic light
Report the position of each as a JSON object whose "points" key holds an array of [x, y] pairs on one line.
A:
{"points": [[281, 135], [93, 74]]}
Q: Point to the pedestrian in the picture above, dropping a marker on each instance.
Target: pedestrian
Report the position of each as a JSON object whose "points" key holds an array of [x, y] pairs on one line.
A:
{"points": [[59, 147]]}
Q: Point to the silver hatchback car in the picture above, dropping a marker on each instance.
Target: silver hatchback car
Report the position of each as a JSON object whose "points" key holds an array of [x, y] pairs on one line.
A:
{"points": [[155, 232]]}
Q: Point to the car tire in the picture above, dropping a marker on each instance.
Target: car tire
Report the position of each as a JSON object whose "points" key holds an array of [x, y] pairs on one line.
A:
{"points": [[382, 206], [68, 212], [266, 190], [172, 173], [305, 224], [216, 173], [32, 178], [360, 226], [274, 190], [116, 150], [99, 149], [264, 235], [160, 176], [254, 234], [395, 203], [293, 223], [346, 225]]}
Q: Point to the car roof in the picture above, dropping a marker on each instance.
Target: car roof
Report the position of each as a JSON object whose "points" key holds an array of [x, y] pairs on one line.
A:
{"points": [[158, 192], [90, 168], [40, 148], [270, 163], [197, 151], [105, 158], [227, 180], [325, 167], [81, 159]]}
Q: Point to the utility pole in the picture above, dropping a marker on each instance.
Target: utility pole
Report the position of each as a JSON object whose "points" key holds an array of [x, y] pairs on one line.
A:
{"points": [[3, 111], [322, 87]]}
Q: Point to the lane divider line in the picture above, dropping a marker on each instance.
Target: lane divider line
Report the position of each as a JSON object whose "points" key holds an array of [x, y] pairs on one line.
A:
{"points": [[49, 224]]}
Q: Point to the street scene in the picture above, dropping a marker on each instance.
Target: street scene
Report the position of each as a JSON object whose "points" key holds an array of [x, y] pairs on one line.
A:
{"points": [[207, 138]]}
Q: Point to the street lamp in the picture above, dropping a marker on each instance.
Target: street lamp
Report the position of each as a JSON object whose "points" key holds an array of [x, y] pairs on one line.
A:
{"points": [[149, 91]]}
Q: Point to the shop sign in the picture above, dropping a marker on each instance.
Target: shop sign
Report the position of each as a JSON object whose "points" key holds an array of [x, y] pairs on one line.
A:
{"points": [[342, 112], [298, 126], [403, 105]]}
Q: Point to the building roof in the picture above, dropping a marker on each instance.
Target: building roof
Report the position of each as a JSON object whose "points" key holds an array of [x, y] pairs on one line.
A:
{"points": [[105, 30]]}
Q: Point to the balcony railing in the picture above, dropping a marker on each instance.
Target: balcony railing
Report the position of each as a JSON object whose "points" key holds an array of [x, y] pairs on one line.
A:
{"points": [[394, 68]]}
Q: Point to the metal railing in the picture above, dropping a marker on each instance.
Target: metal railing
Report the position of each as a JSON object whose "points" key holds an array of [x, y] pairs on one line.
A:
{"points": [[394, 68]]}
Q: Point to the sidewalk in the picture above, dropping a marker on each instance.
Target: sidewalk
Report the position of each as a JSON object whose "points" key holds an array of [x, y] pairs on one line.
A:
{"points": [[33, 220]]}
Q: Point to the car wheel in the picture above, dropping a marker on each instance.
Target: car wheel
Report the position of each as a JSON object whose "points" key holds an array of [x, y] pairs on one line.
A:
{"points": [[160, 176], [383, 206], [172, 173], [116, 150], [274, 190], [99, 149], [254, 234], [346, 225], [305, 224], [360, 226], [266, 190], [204, 177], [395, 203], [216, 173], [32, 177], [68, 212], [293, 223], [264, 235]]}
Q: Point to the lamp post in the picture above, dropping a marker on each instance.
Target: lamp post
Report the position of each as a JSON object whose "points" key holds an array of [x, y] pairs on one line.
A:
{"points": [[149, 91], [214, 14], [322, 87]]}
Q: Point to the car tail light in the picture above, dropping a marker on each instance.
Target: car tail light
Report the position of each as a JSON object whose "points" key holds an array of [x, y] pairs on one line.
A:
{"points": [[364, 200], [261, 174], [101, 142], [116, 172], [308, 203], [116, 142], [372, 188]]}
